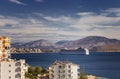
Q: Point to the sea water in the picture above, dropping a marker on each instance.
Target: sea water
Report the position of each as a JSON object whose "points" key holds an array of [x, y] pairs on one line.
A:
{"points": [[105, 65]]}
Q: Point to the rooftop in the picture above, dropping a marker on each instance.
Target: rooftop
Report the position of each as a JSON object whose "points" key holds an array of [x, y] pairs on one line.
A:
{"points": [[63, 63]]}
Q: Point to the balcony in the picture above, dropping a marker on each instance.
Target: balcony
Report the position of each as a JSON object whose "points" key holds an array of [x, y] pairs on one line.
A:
{"points": [[18, 69]]}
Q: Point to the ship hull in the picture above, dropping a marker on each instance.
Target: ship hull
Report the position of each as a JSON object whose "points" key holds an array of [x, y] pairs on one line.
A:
{"points": [[72, 52], [77, 51]]}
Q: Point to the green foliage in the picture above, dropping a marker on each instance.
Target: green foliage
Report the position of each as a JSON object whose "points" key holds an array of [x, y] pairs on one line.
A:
{"points": [[83, 76], [31, 69], [44, 71], [29, 75], [38, 70], [34, 72]]}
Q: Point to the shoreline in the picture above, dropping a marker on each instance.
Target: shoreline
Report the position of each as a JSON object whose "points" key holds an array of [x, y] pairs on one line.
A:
{"points": [[58, 52]]}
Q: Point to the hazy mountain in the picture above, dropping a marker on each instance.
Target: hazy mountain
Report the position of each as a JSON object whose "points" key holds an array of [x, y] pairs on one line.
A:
{"points": [[107, 48], [90, 42], [16, 44], [35, 44]]}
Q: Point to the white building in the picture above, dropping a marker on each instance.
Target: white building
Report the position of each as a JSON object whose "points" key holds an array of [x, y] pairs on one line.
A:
{"points": [[13, 69], [63, 70], [10, 68]]}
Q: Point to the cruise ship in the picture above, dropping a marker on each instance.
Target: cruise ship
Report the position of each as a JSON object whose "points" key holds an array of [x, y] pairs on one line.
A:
{"points": [[75, 51]]}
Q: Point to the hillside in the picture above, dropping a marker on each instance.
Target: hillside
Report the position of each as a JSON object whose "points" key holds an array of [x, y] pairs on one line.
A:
{"points": [[107, 48], [43, 45], [88, 42], [34, 44], [93, 43]]}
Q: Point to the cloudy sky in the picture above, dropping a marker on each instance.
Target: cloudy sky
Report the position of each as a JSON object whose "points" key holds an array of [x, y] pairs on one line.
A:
{"points": [[27, 20]]}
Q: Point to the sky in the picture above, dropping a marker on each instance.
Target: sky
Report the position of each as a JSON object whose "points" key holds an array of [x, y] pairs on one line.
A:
{"points": [[54, 20]]}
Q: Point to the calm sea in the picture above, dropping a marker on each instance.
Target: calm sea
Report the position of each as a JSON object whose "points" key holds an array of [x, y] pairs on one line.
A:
{"points": [[100, 64]]}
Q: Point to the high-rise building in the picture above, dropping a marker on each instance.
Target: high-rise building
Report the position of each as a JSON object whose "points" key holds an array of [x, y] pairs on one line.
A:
{"points": [[4, 47], [10, 68], [63, 70]]}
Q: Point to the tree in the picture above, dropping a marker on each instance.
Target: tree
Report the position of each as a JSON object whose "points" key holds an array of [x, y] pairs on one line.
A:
{"points": [[29, 75], [33, 72], [44, 71], [38, 70], [83, 76], [31, 69]]}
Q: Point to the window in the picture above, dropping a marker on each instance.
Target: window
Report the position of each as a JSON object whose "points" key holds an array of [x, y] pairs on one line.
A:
{"points": [[63, 71], [60, 67], [9, 65], [6, 47], [52, 75], [59, 76], [63, 66], [69, 66], [59, 71], [17, 64], [69, 75], [9, 77], [17, 75], [69, 71], [63, 76], [9, 71]]}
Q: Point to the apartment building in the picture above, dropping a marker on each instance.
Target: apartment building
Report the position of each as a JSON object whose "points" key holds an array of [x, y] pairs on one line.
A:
{"points": [[4, 47], [10, 68], [13, 69], [63, 70]]}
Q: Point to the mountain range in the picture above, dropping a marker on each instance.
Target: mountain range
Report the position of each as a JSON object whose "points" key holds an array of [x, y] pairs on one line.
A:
{"points": [[93, 43]]}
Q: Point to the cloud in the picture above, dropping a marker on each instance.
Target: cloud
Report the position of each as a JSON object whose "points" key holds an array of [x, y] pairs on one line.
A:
{"points": [[17, 2], [114, 11], [89, 23], [25, 25], [39, 0], [98, 20], [85, 13], [86, 20], [23, 29], [7, 21], [61, 27], [62, 19]]}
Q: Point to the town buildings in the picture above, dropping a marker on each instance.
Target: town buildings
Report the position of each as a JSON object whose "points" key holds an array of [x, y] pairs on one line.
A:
{"points": [[63, 70], [10, 68]]}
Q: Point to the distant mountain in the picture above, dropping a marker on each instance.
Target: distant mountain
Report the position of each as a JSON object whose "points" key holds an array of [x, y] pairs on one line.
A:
{"points": [[38, 44], [107, 48], [34, 44], [62, 42], [93, 43], [44, 45], [88, 42], [16, 45]]}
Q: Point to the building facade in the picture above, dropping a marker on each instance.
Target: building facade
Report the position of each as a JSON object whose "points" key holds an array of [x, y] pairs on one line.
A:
{"points": [[63, 70], [13, 69], [4, 47], [10, 68]]}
